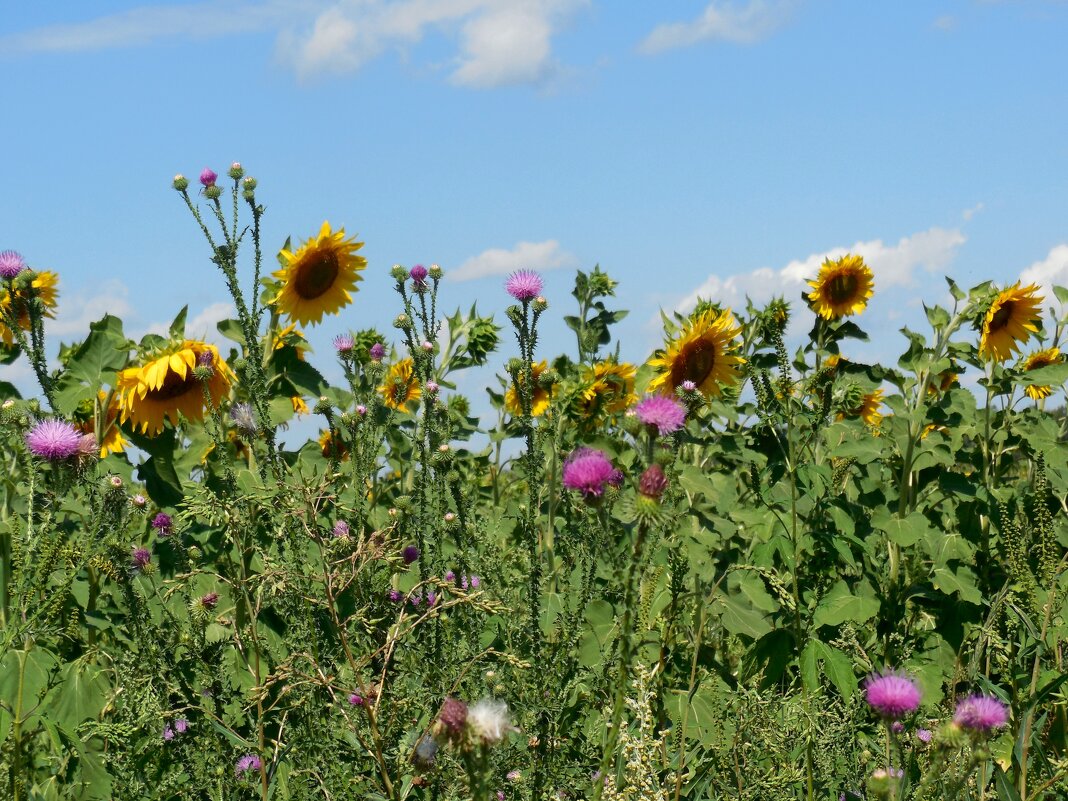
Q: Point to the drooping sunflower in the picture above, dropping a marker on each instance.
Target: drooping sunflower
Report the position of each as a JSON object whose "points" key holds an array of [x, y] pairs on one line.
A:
{"points": [[703, 353], [1041, 358], [1010, 321], [299, 406], [316, 280], [608, 388], [842, 287], [333, 447], [400, 385], [540, 400], [869, 408], [45, 285], [165, 386], [111, 439]]}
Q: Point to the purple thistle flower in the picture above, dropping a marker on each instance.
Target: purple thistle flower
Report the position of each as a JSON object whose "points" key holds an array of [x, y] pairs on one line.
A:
{"points": [[168, 733], [415, 600], [464, 583], [244, 418], [897, 727], [181, 725], [141, 557], [981, 713], [410, 554], [209, 600], [377, 352], [524, 285], [208, 177], [431, 597], [475, 581], [450, 575], [54, 440], [356, 699], [11, 264], [688, 386], [892, 694], [139, 501], [361, 410], [344, 343], [249, 762], [418, 274], [588, 471], [664, 414], [923, 735], [653, 483], [341, 529], [394, 596], [163, 524], [453, 715]]}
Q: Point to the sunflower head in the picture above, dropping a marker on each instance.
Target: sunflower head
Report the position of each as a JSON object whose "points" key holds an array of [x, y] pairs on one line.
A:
{"points": [[1039, 359], [400, 386], [867, 406], [607, 389], [43, 285], [318, 277], [111, 438], [703, 352], [1010, 321], [542, 394], [333, 447], [165, 385], [842, 287]]}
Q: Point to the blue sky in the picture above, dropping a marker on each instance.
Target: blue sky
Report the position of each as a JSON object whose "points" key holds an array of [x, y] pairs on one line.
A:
{"points": [[720, 148]]}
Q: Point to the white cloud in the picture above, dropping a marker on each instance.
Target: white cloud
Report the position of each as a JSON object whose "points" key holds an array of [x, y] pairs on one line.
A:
{"points": [[1051, 270], [893, 265], [538, 256], [77, 309], [500, 41], [967, 214], [744, 23], [147, 24]]}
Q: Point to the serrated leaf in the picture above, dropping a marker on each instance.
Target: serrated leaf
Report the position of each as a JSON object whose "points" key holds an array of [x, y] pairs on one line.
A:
{"points": [[841, 605], [960, 581]]}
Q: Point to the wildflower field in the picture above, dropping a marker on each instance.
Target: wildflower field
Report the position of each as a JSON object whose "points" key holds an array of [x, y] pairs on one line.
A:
{"points": [[747, 568]]}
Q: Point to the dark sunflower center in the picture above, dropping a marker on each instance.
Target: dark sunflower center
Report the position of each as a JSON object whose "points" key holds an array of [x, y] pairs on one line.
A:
{"points": [[842, 288], [1039, 363], [316, 275], [694, 363], [1001, 316], [173, 386]]}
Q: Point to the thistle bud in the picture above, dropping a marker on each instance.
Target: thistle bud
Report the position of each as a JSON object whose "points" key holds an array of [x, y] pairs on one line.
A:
{"points": [[236, 170], [400, 275], [653, 483], [212, 192], [181, 183], [322, 406], [401, 321], [249, 183], [540, 304], [514, 366], [435, 272]]}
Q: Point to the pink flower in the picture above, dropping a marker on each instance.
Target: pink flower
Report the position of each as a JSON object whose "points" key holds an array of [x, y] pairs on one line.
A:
{"points": [[665, 414], [588, 470], [893, 695], [11, 264], [208, 177], [981, 713], [524, 285], [54, 440], [653, 482]]}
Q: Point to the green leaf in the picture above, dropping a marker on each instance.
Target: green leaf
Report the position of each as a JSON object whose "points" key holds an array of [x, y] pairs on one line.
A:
{"points": [[177, 329], [839, 668], [904, 531], [810, 666], [840, 605], [960, 581], [740, 618], [231, 329]]}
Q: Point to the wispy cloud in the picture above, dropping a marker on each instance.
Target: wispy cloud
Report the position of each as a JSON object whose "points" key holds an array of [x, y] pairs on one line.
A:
{"points": [[539, 256], [498, 42], [203, 325], [740, 23], [893, 265], [148, 24], [79, 308]]}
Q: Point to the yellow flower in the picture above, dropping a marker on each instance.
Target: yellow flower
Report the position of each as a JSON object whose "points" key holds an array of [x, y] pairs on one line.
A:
{"points": [[609, 389], [1042, 358], [869, 408], [331, 445], [942, 382], [1009, 321], [166, 386], [400, 386], [45, 285], [539, 402], [701, 353], [842, 287], [930, 428], [291, 335], [317, 278], [299, 406], [111, 440]]}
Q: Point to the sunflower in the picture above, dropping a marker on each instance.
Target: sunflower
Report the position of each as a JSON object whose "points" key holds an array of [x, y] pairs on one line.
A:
{"points": [[400, 385], [539, 403], [1042, 358], [111, 440], [608, 389], [842, 287], [332, 446], [299, 406], [317, 278], [701, 353], [1009, 321], [869, 407], [166, 385], [45, 286]]}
